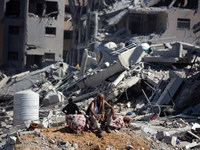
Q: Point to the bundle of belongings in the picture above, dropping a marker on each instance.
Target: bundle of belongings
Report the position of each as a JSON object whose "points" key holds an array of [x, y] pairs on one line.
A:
{"points": [[80, 122]]}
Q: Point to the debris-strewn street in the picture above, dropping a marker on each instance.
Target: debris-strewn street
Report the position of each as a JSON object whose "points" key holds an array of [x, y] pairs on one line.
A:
{"points": [[142, 56]]}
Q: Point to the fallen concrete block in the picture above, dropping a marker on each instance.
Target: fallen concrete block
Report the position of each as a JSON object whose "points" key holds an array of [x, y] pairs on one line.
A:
{"points": [[160, 135], [53, 98], [135, 126], [196, 127], [170, 140], [171, 88], [119, 78]]}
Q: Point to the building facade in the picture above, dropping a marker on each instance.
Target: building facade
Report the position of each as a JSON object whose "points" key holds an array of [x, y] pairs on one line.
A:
{"points": [[33, 32]]}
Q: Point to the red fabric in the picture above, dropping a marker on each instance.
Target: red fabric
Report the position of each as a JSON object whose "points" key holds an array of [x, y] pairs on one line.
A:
{"points": [[118, 122], [79, 122]]}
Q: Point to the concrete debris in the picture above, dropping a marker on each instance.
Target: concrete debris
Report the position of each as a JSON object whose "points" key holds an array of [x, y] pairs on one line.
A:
{"points": [[151, 79], [192, 145]]}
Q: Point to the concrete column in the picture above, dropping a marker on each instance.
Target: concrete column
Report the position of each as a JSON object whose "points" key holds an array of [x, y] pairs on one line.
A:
{"points": [[84, 62], [26, 6]]}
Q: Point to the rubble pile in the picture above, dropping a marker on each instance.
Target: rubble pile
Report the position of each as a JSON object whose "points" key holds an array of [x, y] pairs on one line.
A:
{"points": [[156, 97], [155, 88]]}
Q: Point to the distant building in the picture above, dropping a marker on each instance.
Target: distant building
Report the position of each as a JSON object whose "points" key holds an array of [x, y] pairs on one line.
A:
{"points": [[33, 32]]}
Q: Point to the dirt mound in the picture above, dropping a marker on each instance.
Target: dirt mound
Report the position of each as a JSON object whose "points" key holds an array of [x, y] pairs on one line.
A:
{"points": [[119, 139]]}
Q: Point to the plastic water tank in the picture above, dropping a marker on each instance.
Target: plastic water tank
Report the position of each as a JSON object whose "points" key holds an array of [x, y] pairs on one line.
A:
{"points": [[26, 107]]}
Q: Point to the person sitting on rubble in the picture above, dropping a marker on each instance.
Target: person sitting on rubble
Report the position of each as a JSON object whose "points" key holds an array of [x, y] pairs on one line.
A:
{"points": [[167, 45], [71, 108], [98, 116]]}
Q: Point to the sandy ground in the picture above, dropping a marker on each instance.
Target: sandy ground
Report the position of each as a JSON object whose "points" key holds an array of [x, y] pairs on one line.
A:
{"points": [[89, 140]]}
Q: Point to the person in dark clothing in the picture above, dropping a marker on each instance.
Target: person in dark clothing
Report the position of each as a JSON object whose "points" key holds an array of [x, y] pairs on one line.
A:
{"points": [[71, 108]]}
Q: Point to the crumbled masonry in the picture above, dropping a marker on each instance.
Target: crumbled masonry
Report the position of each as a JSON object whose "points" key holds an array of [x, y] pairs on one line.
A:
{"points": [[153, 86]]}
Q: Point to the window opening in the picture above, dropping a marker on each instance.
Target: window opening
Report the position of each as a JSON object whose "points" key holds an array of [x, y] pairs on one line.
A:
{"points": [[50, 31], [49, 56], [183, 23], [13, 30], [12, 55]]}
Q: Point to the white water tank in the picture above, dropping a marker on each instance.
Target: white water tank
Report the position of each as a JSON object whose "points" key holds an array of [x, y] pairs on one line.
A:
{"points": [[26, 107]]}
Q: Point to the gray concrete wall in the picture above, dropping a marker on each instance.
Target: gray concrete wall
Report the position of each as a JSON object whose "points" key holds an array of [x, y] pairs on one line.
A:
{"points": [[47, 43], [131, 57], [183, 35], [161, 24]]}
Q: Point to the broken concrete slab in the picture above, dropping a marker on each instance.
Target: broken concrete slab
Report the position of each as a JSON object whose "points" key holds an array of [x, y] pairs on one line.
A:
{"points": [[170, 140], [171, 89], [192, 145], [3, 79], [53, 97]]}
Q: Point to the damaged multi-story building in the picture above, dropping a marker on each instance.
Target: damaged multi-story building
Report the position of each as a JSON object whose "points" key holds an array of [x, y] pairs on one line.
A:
{"points": [[130, 20], [33, 32], [68, 32]]}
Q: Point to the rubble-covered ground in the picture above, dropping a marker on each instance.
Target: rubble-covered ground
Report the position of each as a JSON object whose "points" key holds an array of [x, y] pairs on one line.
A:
{"points": [[63, 137], [160, 99]]}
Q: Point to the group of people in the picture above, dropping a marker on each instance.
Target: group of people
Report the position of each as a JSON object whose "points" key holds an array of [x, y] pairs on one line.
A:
{"points": [[98, 115]]}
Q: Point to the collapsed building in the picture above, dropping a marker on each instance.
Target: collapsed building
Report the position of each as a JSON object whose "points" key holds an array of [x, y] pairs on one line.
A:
{"points": [[123, 57], [122, 21]]}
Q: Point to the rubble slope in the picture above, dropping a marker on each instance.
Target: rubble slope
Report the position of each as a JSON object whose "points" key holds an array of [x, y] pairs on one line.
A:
{"points": [[51, 137]]}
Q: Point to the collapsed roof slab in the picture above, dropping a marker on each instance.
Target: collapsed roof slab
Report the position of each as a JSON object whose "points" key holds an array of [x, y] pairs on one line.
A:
{"points": [[99, 76], [124, 59], [3, 79], [147, 10], [170, 89], [190, 47]]}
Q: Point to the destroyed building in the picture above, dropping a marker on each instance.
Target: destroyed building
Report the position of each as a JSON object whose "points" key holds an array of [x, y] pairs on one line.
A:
{"points": [[122, 21], [119, 46], [33, 32]]}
